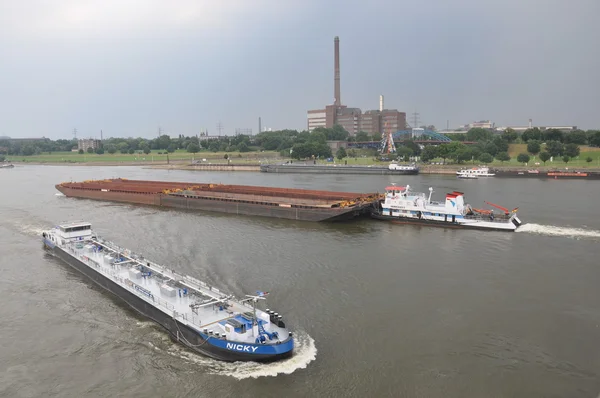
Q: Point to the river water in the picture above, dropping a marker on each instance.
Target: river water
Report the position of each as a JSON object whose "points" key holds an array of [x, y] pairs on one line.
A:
{"points": [[380, 310]]}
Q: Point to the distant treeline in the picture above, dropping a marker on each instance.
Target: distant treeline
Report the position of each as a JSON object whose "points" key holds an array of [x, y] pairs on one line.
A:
{"points": [[302, 144]]}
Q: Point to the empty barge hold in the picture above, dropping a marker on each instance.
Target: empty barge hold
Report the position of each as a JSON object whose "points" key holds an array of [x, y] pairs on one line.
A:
{"points": [[294, 204]]}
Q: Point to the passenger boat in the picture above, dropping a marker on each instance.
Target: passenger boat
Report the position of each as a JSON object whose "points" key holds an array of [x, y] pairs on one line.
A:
{"points": [[403, 168], [401, 205], [468, 176], [198, 315], [476, 171]]}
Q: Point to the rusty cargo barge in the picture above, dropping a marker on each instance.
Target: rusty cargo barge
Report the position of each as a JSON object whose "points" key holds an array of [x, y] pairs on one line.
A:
{"points": [[287, 203]]}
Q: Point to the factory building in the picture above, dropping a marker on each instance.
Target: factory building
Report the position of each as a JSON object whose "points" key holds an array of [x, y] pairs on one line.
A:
{"points": [[354, 120]]}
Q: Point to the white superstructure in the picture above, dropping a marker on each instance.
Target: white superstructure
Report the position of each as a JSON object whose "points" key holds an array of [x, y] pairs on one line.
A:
{"points": [[475, 171], [402, 204]]}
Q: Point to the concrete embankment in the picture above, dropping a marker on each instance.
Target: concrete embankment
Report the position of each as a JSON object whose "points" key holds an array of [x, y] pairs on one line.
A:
{"points": [[210, 167], [437, 170]]}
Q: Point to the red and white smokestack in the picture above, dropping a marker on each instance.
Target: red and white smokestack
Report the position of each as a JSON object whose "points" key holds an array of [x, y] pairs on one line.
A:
{"points": [[336, 75]]}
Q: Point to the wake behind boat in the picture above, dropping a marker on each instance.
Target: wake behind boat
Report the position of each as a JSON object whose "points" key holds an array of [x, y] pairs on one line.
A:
{"points": [[196, 314], [404, 206]]}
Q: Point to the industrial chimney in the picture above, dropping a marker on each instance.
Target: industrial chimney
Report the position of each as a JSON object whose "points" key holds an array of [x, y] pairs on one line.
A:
{"points": [[336, 76], [381, 103], [530, 123]]}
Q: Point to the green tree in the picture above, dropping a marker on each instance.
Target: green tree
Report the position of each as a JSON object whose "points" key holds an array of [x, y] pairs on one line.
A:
{"points": [[376, 137], [317, 136], [531, 134], [566, 159], [479, 134], [100, 151], [243, 147], [111, 149], [555, 148], [404, 153], [172, 147], [444, 152], [544, 157], [193, 147], [80, 151], [576, 137], [123, 147], [144, 146], [572, 150], [589, 159], [534, 147], [131, 151], [503, 157], [523, 158], [429, 153], [486, 158], [226, 156], [2, 157], [90, 150], [594, 137], [553, 135], [362, 136], [213, 146], [341, 153], [509, 135]]}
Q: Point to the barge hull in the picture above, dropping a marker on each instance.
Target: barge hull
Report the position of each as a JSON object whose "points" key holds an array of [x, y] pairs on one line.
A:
{"points": [[177, 330], [197, 201], [335, 170], [551, 175]]}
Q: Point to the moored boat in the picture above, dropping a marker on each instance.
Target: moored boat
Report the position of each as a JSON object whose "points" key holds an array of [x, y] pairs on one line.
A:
{"points": [[403, 168], [198, 315], [402, 205], [476, 171], [6, 165]]}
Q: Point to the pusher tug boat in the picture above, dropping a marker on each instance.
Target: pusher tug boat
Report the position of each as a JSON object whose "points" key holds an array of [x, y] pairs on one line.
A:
{"points": [[198, 315], [401, 205]]}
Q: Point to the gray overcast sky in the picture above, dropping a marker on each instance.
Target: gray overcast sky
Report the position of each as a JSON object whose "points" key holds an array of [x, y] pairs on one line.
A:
{"points": [[128, 66]]}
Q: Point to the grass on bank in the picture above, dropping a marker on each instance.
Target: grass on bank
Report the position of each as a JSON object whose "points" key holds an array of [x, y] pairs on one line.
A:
{"points": [[273, 156], [153, 156]]}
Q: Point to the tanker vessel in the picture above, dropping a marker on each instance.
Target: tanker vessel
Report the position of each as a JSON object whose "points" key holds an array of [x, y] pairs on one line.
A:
{"points": [[198, 315], [295, 204]]}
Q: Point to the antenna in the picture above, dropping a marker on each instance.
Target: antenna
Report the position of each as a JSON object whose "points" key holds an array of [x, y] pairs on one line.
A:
{"points": [[220, 128], [159, 131], [75, 133]]}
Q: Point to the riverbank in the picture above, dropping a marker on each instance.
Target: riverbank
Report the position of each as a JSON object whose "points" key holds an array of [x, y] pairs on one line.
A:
{"points": [[254, 166]]}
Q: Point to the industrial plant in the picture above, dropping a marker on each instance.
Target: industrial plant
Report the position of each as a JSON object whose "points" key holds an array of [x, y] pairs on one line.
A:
{"points": [[354, 120]]}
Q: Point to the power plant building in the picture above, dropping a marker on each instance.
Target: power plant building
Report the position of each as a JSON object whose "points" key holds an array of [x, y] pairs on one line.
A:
{"points": [[352, 119]]}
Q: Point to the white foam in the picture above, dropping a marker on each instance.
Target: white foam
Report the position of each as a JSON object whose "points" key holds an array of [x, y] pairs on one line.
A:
{"points": [[551, 230], [305, 352], [29, 229]]}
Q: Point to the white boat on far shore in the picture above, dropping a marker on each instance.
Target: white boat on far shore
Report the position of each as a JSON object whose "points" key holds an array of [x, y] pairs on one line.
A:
{"points": [[475, 171]]}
